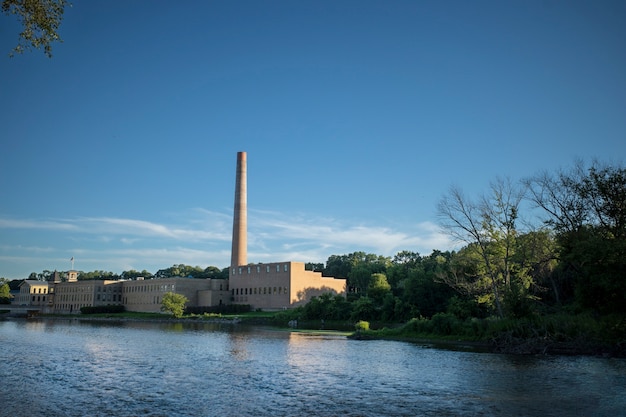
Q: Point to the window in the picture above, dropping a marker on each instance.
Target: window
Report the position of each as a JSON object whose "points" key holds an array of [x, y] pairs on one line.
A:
{"points": [[248, 270], [239, 270], [274, 290], [258, 269], [277, 268], [286, 268]]}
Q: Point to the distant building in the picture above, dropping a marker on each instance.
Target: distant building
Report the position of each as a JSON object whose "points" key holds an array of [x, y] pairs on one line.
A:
{"points": [[147, 296], [279, 285], [268, 286], [70, 296], [33, 293]]}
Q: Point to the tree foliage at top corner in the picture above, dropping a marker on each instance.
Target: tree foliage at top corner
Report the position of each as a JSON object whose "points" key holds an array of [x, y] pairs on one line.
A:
{"points": [[40, 21]]}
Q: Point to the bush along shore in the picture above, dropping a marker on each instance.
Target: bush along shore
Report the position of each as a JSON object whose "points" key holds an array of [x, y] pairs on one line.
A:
{"points": [[556, 334]]}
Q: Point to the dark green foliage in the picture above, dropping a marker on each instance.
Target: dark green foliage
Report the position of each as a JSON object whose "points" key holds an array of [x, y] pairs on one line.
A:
{"points": [[464, 308], [445, 324], [110, 309], [357, 268], [378, 287], [326, 307], [98, 275], [397, 310], [587, 209], [364, 309]]}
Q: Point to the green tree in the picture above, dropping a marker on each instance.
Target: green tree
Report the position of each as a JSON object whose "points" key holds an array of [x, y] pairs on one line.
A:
{"points": [[174, 303], [364, 309], [489, 226], [378, 287], [398, 271], [587, 208], [327, 307], [40, 21], [5, 293]]}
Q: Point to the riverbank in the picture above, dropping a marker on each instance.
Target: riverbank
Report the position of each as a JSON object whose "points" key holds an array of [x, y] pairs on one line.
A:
{"points": [[519, 337], [547, 335]]}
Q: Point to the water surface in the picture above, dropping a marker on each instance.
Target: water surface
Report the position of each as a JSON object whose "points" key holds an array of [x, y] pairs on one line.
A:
{"points": [[74, 368]]}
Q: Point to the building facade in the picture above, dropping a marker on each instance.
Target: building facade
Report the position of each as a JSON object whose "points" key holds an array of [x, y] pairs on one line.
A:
{"points": [[142, 295], [279, 285], [147, 295], [33, 293], [70, 296]]}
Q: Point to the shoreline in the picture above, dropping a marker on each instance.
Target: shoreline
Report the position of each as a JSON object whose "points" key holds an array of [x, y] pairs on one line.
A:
{"points": [[535, 346]]}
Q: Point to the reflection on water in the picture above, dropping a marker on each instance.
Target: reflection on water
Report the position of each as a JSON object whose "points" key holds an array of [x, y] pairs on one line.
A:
{"points": [[73, 368]]}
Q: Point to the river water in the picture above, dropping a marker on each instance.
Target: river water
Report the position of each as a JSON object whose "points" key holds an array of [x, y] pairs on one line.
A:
{"points": [[73, 368]]}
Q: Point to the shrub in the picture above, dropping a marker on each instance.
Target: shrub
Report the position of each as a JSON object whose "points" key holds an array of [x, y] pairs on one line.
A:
{"points": [[445, 324], [220, 309], [110, 309], [362, 326]]}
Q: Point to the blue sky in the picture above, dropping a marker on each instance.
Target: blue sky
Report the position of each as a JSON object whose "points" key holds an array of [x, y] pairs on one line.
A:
{"points": [[357, 116]]}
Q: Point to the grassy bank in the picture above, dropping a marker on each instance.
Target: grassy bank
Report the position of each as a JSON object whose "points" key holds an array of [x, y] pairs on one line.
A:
{"points": [[554, 334]]}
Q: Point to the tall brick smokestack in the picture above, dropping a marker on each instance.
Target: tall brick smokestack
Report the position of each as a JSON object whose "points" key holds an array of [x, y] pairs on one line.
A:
{"points": [[239, 253]]}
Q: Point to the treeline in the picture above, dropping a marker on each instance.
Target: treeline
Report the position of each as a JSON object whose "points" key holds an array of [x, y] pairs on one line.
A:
{"points": [[176, 270], [550, 243]]}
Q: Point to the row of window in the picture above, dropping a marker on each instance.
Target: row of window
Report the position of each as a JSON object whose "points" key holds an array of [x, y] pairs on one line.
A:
{"points": [[84, 289], [143, 299], [148, 288], [39, 290], [260, 291], [88, 297], [241, 269]]}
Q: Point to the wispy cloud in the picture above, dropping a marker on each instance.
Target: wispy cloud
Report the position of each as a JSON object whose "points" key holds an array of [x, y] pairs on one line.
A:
{"points": [[329, 234], [200, 237], [195, 229], [60, 225]]}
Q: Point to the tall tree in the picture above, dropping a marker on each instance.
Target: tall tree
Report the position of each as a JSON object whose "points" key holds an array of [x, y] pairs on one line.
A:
{"points": [[489, 225], [40, 21], [587, 207]]}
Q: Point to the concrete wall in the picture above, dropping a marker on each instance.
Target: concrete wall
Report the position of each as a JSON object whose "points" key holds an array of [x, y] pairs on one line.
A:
{"points": [[147, 296], [69, 297], [279, 285], [308, 284]]}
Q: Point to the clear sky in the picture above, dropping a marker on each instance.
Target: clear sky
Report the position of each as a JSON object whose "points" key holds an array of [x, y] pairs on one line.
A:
{"points": [[357, 116]]}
